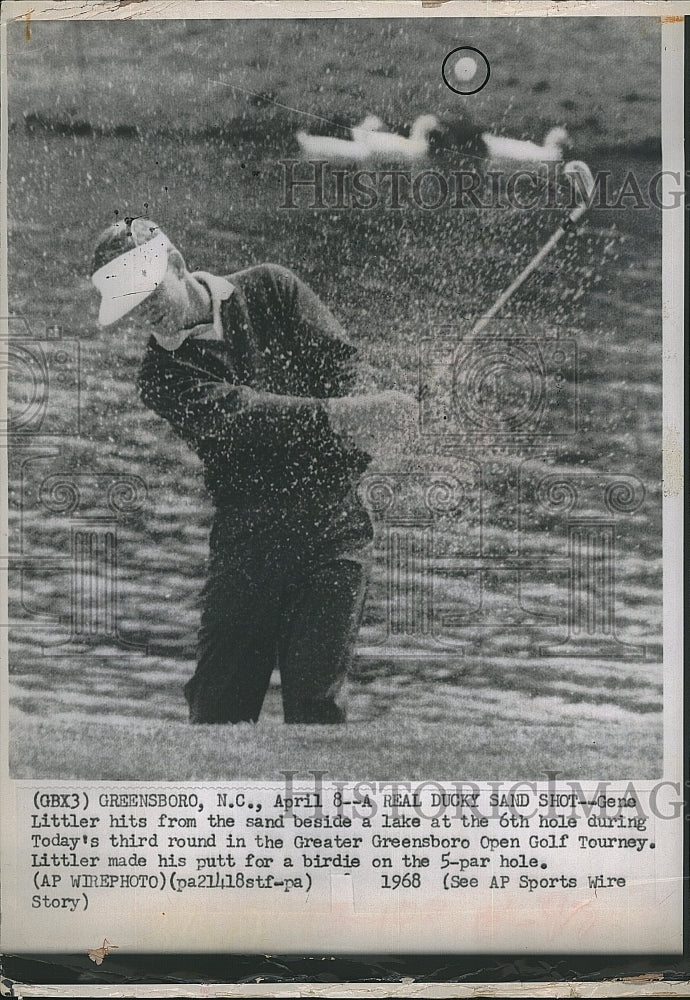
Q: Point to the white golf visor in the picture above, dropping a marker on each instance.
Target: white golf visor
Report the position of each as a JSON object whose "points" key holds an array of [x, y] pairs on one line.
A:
{"points": [[127, 280]]}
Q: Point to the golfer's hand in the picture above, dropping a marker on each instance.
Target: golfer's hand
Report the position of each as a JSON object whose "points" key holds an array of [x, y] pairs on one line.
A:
{"points": [[376, 422]]}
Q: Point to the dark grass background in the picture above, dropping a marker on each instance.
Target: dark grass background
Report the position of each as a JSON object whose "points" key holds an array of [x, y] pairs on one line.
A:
{"points": [[186, 121]]}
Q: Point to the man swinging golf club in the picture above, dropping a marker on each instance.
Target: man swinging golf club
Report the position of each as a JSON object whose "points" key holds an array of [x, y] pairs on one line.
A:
{"points": [[257, 376]]}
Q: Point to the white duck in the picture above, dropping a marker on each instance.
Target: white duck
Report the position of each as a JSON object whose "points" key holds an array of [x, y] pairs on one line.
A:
{"points": [[391, 146], [327, 147], [504, 150], [361, 133]]}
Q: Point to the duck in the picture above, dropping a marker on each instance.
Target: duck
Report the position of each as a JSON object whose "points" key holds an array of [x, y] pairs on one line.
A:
{"points": [[327, 147], [501, 149], [392, 146], [360, 133]]}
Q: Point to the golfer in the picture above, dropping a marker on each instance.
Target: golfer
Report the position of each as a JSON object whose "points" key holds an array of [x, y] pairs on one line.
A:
{"points": [[257, 376]]}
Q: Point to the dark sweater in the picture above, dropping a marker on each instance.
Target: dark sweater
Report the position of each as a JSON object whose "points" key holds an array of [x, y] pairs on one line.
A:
{"points": [[240, 402]]}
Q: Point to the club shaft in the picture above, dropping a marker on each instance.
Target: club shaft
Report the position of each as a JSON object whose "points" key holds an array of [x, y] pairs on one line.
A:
{"points": [[529, 269]]}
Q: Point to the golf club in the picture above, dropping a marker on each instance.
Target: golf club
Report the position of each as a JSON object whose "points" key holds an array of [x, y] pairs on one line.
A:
{"points": [[581, 179]]}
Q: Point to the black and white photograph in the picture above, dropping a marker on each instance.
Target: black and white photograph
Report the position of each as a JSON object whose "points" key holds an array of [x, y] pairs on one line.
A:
{"points": [[337, 403], [301, 461]]}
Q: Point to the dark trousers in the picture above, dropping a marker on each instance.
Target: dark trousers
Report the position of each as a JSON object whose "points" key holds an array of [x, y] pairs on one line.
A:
{"points": [[285, 589]]}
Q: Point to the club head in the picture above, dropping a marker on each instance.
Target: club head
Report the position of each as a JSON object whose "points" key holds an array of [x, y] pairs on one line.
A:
{"points": [[581, 179]]}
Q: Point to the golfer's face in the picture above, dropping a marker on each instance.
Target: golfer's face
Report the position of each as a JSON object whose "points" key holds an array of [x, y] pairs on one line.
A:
{"points": [[164, 310]]}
